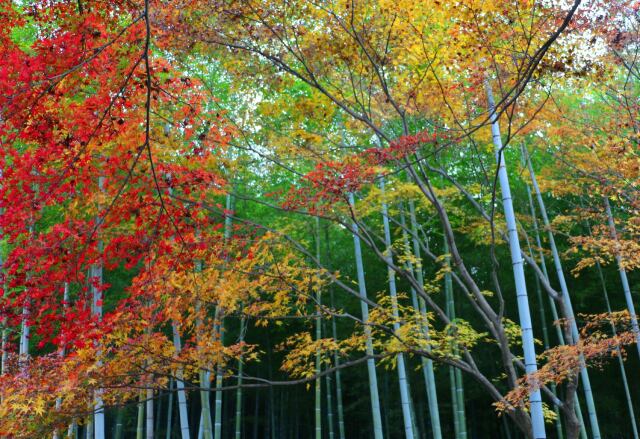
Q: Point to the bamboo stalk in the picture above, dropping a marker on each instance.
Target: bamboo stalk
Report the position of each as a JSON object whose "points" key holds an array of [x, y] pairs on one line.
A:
{"points": [[460, 418], [401, 368], [364, 307], [535, 396], [420, 305], [568, 306], [623, 372], [336, 358], [238, 426], [626, 289], [169, 430], [318, 380]]}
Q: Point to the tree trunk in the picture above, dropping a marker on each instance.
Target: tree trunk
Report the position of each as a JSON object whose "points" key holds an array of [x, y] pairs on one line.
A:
{"points": [[535, 397]]}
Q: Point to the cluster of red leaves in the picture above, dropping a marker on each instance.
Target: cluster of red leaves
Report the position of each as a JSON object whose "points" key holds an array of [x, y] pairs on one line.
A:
{"points": [[402, 147], [332, 181], [563, 363], [104, 163]]}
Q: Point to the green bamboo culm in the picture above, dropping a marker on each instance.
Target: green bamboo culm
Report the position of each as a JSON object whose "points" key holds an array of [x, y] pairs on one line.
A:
{"points": [[405, 395], [169, 429], [541, 307], [140, 423], [522, 300], [584, 374], [364, 307], [455, 375], [623, 372], [318, 381], [205, 430], [334, 333], [554, 310], [238, 426], [119, 424], [420, 305], [217, 430], [329, 391]]}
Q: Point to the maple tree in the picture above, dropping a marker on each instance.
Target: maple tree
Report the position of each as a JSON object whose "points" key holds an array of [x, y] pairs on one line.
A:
{"points": [[239, 199]]}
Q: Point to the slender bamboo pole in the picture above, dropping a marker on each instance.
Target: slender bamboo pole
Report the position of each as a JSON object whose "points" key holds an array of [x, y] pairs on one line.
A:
{"points": [[119, 424], [626, 289], [554, 314], [5, 329], [364, 307], [336, 358], [531, 367], [420, 305], [169, 431], [149, 414], [554, 310], [158, 416], [614, 331], [454, 402], [62, 351], [623, 372], [205, 431], [238, 426], [23, 348], [183, 412], [182, 398], [96, 293], [140, 420], [336, 362], [460, 418], [541, 308], [566, 298], [217, 431], [205, 428], [318, 380], [89, 428], [401, 368], [328, 381]]}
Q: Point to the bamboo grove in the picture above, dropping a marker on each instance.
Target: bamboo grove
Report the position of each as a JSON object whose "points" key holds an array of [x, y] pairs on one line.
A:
{"points": [[319, 219]]}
